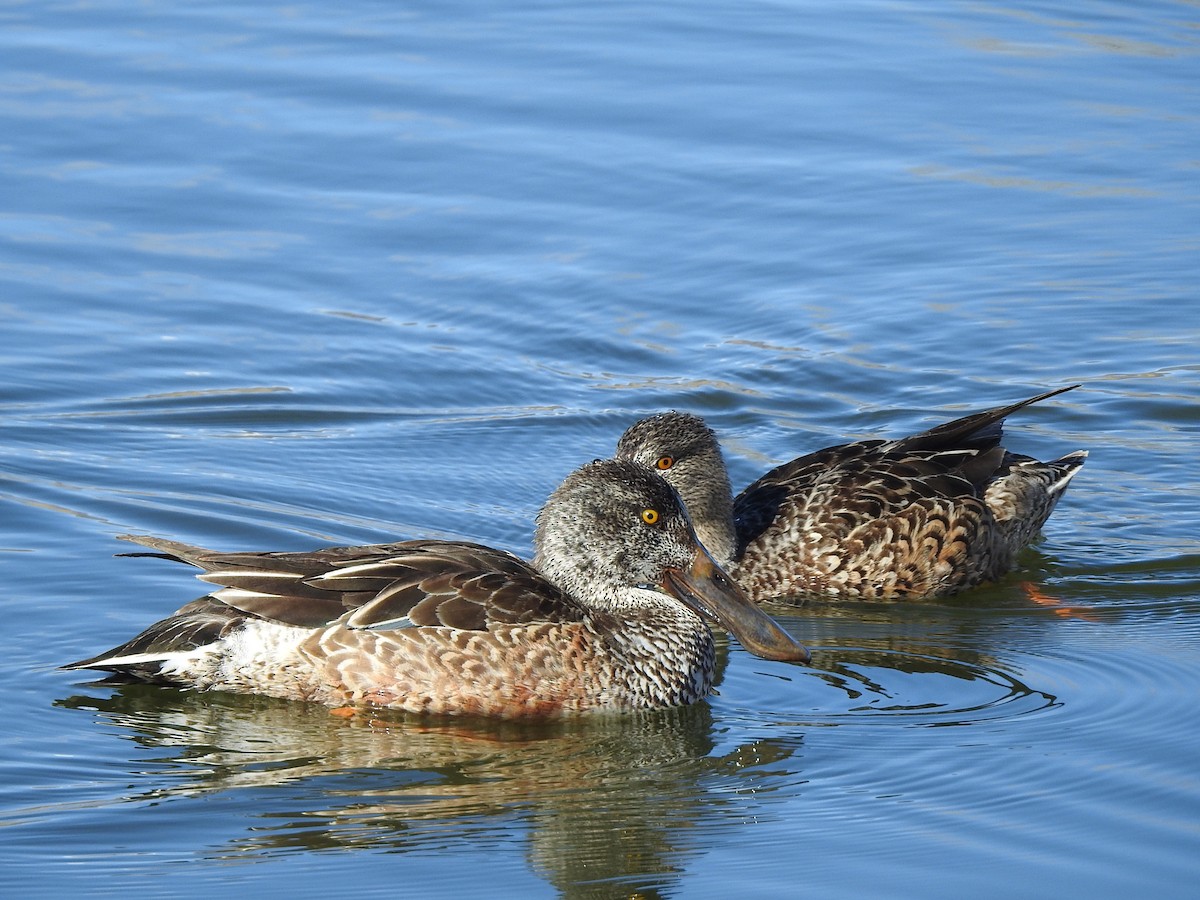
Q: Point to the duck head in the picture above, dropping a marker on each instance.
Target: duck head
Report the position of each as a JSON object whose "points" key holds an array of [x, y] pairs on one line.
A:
{"points": [[684, 450], [614, 530]]}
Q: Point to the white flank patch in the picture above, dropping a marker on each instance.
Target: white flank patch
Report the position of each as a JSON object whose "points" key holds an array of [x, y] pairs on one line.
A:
{"points": [[262, 645]]}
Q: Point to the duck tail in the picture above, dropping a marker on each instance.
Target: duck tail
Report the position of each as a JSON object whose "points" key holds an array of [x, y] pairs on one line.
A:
{"points": [[1026, 491], [151, 655], [978, 431]]}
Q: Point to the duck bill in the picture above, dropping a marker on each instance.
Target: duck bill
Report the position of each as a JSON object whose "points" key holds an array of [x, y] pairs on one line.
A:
{"points": [[710, 592]]}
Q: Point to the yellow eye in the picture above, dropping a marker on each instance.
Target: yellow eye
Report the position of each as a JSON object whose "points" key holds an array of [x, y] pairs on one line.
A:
{"points": [[665, 462], [650, 516]]}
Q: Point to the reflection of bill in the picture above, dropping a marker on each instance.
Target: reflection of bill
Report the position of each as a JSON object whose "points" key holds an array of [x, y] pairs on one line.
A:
{"points": [[601, 800], [937, 664]]}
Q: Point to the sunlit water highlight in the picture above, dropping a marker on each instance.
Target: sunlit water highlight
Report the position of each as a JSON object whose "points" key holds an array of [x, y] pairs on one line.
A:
{"points": [[279, 277]]}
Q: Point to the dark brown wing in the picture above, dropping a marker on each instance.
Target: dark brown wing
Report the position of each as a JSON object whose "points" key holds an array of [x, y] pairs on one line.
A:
{"points": [[459, 585], [421, 583], [840, 488]]}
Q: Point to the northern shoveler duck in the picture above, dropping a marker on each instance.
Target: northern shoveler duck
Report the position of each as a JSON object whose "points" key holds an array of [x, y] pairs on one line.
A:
{"points": [[922, 516], [610, 615]]}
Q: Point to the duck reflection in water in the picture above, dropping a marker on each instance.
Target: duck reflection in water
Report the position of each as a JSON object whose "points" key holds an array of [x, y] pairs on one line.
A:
{"points": [[606, 804]]}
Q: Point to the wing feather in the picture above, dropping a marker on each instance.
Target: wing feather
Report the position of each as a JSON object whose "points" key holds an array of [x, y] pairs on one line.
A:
{"points": [[454, 584]]}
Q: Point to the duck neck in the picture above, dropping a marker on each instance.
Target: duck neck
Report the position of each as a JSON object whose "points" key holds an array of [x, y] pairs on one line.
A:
{"points": [[661, 653], [710, 506], [716, 533], [668, 651]]}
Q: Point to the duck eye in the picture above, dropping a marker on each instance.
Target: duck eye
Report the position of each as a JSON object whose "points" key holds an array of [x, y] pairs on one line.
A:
{"points": [[665, 462], [650, 516]]}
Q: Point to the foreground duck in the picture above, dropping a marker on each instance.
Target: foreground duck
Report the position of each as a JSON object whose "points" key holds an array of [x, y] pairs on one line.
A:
{"points": [[610, 615], [922, 516]]}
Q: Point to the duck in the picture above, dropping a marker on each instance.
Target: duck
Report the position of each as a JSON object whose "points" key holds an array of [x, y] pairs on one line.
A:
{"points": [[611, 614], [923, 516]]}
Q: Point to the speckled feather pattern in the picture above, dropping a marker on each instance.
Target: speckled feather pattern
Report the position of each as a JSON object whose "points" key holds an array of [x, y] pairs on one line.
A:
{"points": [[521, 671], [922, 516], [841, 543], [448, 627], [533, 670]]}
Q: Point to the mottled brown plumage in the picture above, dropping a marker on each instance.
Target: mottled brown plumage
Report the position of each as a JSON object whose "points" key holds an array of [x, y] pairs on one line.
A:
{"points": [[922, 516], [609, 616]]}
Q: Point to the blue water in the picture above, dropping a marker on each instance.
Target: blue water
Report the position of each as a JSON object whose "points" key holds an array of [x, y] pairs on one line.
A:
{"points": [[280, 276]]}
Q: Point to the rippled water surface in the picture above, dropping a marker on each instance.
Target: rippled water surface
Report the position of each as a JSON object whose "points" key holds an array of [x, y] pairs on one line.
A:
{"points": [[280, 276]]}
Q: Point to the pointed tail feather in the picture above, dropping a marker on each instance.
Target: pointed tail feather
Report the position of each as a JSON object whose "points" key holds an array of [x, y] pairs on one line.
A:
{"points": [[980, 431], [164, 548]]}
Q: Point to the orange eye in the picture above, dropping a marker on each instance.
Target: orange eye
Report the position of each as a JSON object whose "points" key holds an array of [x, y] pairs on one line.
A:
{"points": [[650, 516], [665, 462]]}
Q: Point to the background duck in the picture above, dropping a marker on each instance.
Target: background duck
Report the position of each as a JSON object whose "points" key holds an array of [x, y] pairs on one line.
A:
{"points": [[922, 516], [609, 616]]}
